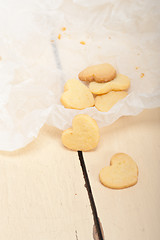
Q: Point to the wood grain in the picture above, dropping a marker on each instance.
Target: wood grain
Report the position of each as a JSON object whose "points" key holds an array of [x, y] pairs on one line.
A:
{"points": [[132, 213], [42, 193]]}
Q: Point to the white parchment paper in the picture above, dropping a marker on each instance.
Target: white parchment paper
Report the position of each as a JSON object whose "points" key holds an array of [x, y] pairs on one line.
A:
{"points": [[35, 63]]}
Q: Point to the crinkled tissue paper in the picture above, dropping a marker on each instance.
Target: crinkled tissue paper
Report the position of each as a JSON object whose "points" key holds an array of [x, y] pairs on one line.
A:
{"points": [[40, 49]]}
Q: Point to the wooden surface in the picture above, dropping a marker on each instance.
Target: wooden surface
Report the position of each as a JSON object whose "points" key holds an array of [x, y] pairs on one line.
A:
{"points": [[42, 193]]}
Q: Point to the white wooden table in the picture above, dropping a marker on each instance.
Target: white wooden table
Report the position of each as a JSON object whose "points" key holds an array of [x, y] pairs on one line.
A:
{"points": [[42, 193]]}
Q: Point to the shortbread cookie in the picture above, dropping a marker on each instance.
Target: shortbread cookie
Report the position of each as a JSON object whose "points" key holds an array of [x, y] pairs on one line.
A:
{"points": [[121, 82], [76, 95], [105, 102], [122, 172], [98, 73], [84, 134]]}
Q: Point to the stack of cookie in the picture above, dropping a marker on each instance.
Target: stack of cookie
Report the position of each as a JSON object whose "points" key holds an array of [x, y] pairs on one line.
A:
{"points": [[107, 87]]}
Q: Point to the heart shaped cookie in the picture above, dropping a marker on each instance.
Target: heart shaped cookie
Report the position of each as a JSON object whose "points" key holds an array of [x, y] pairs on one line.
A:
{"points": [[76, 95], [105, 102], [84, 134], [98, 73], [122, 172], [121, 82]]}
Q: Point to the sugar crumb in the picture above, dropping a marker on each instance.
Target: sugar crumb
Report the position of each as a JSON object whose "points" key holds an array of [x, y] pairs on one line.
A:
{"points": [[63, 28], [82, 42], [59, 36]]}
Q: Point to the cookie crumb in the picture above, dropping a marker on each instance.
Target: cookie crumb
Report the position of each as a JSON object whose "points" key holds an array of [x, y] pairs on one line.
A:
{"points": [[137, 68], [0, 58], [52, 41], [142, 75], [82, 42], [63, 28], [109, 37], [59, 36]]}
